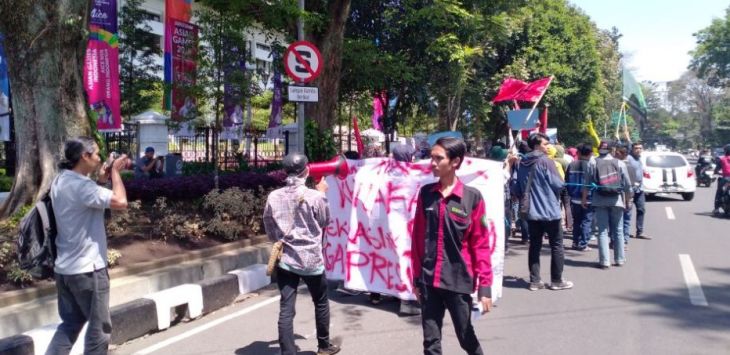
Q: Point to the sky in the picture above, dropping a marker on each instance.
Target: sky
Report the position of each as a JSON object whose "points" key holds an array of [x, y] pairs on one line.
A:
{"points": [[657, 34]]}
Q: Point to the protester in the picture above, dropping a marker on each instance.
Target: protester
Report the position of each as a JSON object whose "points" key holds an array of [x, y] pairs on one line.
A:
{"points": [[297, 216], [612, 196], [722, 169], [80, 267], [148, 165], [537, 186], [622, 153], [582, 216], [451, 254], [561, 158], [639, 196], [521, 223], [500, 154]]}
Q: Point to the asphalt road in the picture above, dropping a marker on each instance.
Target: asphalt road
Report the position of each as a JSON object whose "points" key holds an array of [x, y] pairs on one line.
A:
{"points": [[642, 308]]}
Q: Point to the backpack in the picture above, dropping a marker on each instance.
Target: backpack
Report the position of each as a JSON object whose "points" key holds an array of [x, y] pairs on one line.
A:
{"points": [[574, 179], [608, 177], [37, 239]]}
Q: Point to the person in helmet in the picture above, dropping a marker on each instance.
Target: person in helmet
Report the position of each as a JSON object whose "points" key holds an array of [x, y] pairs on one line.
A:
{"points": [[298, 216]]}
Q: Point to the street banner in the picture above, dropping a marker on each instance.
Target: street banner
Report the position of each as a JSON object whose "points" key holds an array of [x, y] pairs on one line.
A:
{"points": [[277, 103], [4, 96], [101, 66], [174, 10], [184, 66], [518, 119], [368, 240]]}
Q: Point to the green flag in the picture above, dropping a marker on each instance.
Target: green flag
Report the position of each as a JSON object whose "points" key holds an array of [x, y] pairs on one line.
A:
{"points": [[632, 88]]}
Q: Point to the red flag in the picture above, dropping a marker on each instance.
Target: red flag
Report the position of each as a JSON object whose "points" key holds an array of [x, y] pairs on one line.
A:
{"points": [[509, 89], [543, 120], [534, 90], [358, 137]]}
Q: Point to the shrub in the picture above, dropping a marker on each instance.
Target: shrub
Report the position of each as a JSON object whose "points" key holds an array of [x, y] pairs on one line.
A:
{"points": [[122, 220], [6, 183], [235, 212], [197, 168], [7, 253], [192, 187], [112, 256], [171, 220], [18, 276]]}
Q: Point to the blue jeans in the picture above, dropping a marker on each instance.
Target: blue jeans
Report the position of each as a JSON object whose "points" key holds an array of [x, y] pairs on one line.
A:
{"points": [[582, 224], [610, 220], [82, 298], [627, 224]]}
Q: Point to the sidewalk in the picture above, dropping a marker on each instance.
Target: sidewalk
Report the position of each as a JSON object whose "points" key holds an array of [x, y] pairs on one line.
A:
{"points": [[215, 275]]}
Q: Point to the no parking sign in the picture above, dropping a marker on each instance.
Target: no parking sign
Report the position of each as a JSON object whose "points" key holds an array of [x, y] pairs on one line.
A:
{"points": [[302, 61]]}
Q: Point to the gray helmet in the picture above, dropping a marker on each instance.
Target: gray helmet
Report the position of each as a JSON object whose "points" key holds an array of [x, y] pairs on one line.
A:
{"points": [[295, 163]]}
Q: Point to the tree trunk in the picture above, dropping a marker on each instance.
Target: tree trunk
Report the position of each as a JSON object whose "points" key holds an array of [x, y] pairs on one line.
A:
{"points": [[330, 45], [45, 43]]}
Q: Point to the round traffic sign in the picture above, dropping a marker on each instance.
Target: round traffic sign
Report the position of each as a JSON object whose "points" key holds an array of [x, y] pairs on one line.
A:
{"points": [[302, 61]]}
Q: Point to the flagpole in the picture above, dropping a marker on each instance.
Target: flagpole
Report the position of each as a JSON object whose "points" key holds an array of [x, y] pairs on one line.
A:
{"points": [[538, 100]]}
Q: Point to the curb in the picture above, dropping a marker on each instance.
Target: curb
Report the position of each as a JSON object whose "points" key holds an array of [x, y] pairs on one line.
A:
{"points": [[134, 319], [26, 295]]}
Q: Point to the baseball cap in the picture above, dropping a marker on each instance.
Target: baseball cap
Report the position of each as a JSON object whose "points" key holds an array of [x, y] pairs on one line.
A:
{"points": [[585, 149], [149, 150], [295, 163]]}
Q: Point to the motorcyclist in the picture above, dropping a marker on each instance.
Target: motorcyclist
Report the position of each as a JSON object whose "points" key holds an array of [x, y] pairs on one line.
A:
{"points": [[722, 169], [704, 160]]}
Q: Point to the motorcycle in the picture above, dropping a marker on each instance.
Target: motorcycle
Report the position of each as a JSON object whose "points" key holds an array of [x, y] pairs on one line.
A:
{"points": [[706, 176], [725, 202]]}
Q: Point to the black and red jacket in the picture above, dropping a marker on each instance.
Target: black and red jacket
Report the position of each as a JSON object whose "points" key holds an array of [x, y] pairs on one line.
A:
{"points": [[452, 246]]}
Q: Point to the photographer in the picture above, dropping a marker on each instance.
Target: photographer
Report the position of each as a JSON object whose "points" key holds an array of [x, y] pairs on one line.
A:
{"points": [[149, 166]]}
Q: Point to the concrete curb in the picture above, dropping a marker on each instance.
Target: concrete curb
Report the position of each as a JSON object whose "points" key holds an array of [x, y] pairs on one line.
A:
{"points": [[134, 319]]}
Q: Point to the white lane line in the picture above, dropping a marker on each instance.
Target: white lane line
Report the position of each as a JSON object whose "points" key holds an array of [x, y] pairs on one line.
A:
{"points": [[670, 213], [206, 326], [696, 295]]}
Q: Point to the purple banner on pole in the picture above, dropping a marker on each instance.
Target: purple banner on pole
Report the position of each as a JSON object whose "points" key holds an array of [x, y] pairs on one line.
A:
{"points": [[101, 66]]}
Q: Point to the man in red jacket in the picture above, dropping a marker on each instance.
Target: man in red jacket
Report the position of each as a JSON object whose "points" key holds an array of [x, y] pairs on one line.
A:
{"points": [[451, 254]]}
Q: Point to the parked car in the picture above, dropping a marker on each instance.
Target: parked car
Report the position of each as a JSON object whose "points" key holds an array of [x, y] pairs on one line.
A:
{"points": [[668, 172]]}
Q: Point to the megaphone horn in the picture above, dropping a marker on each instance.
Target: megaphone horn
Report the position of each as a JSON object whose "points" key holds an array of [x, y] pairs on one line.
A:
{"points": [[336, 166]]}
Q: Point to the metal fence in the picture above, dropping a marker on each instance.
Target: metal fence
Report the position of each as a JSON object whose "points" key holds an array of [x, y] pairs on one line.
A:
{"points": [[253, 147]]}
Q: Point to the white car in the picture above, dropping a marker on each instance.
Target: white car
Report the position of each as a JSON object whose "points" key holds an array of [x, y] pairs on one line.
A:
{"points": [[668, 172]]}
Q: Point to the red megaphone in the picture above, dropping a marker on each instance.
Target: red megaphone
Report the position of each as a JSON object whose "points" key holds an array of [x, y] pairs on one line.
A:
{"points": [[337, 166]]}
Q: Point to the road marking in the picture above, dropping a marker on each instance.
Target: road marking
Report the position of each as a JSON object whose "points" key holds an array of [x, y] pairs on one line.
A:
{"points": [[696, 295], [670, 213], [206, 326]]}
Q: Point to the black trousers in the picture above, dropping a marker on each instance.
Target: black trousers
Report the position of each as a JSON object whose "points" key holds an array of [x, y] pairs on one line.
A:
{"points": [[555, 237], [434, 303], [317, 285]]}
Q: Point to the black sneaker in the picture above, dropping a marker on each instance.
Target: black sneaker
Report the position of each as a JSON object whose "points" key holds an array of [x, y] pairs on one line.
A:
{"points": [[330, 350], [409, 308], [375, 298]]}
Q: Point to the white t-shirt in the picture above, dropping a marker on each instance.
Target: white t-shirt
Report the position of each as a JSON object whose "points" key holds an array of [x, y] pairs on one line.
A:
{"points": [[78, 205]]}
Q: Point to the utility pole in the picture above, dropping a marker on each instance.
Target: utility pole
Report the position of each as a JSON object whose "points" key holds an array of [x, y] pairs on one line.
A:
{"points": [[300, 106]]}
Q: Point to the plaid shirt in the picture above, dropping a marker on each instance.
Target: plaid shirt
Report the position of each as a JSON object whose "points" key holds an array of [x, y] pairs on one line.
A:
{"points": [[297, 216]]}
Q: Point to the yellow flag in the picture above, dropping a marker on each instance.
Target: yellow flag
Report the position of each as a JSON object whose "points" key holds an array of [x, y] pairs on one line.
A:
{"points": [[592, 132]]}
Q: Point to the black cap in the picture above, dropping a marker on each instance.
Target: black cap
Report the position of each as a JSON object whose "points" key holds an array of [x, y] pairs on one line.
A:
{"points": [[585, 149], [295, 163]]}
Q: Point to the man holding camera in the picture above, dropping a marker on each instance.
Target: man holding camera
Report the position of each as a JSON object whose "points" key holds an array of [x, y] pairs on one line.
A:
{"points": [[149, 166]]}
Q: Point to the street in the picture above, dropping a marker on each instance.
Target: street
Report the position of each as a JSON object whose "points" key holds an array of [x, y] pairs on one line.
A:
{"points": [[671, 297]]}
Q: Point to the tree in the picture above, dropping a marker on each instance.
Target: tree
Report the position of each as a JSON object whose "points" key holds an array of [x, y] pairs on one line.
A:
{"points": [[140, 86], [45, 52], [711, 57]]}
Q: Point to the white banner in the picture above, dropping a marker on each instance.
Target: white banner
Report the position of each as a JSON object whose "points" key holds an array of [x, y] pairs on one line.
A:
{"points": [[368, 241]]}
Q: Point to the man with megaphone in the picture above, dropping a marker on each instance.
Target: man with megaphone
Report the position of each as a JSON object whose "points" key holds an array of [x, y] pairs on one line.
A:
{"points": [[297, 216]]}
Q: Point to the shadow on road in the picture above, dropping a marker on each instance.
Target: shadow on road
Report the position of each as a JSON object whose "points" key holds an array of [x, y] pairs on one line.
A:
{"points": [[267, 348], [710, 214], [674, 306]]}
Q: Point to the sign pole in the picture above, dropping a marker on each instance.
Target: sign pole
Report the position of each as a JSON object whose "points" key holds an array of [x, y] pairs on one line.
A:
{"points": [[300, 105]]}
